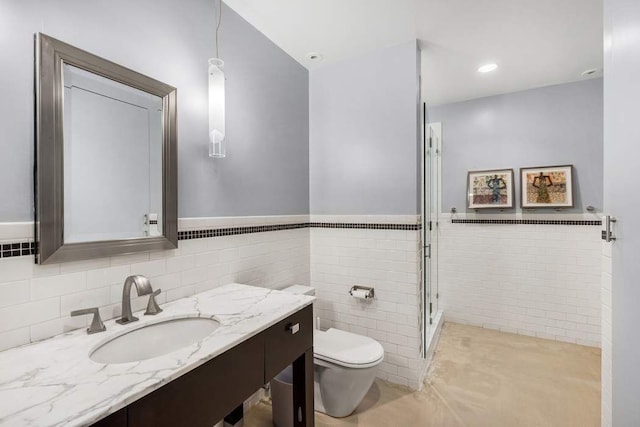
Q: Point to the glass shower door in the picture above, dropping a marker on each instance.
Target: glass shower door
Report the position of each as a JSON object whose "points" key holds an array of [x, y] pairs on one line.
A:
{"points": [[435, 191], [430, 211], [426, 305]]}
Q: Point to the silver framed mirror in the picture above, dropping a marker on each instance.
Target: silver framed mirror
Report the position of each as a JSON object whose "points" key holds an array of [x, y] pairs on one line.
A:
{"points": [[106, 157]]}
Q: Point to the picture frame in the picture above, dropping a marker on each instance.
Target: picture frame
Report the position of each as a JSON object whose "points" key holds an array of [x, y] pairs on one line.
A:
{"points": [[491, 189], [546, 187]]}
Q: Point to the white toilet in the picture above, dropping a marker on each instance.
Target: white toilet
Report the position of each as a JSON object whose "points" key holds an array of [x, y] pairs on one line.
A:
{"points": [[345, 366]]}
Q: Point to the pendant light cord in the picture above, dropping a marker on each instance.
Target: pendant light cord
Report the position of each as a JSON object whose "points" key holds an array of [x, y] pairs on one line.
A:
{"points": [[218, 26]]}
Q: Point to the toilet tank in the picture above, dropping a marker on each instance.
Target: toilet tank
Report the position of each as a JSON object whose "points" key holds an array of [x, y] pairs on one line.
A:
{"points": [[300, 290]]}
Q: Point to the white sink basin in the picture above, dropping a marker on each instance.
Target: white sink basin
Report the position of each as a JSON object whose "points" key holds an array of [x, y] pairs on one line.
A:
{"points": [[154, 340]]}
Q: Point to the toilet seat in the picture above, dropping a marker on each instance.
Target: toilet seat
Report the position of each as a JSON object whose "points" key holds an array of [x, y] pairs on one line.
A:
{"points": [[347, 349]]}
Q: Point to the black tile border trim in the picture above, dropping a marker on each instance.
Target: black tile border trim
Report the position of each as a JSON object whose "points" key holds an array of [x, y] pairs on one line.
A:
{"points": [[8, 250], [232, 231], [527, 221], [218, 232], [365, 226]]}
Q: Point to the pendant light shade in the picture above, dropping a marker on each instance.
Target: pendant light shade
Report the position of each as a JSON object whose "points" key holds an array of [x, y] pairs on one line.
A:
{"points": [[216, 108]]}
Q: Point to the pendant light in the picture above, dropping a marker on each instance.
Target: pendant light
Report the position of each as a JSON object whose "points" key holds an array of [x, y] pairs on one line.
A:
{"points": [[217, 99]]}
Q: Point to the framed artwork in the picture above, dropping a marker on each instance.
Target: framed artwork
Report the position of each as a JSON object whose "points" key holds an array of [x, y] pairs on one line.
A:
{"points": [[547, 187], [490, 189]]}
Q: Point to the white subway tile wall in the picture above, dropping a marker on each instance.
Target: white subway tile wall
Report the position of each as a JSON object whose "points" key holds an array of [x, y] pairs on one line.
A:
{"points": [[386, 260], [538, 280], [607, 337], [35, 301]]}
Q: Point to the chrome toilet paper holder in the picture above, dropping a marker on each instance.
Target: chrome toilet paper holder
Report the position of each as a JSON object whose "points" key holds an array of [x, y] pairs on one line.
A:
{"points": [[370, 291]]}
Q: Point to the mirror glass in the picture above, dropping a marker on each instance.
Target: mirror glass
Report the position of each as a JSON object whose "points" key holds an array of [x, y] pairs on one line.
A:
{"points": [[112, 159]]}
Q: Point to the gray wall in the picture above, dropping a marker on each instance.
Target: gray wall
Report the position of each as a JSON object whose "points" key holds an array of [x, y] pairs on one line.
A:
{"points": [[266, 169], [621, 154], [363, 134], [553, 125]]}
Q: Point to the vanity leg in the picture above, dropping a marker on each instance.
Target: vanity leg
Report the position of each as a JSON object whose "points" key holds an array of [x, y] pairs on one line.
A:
{"points": [[235, 418], [303, 415]]}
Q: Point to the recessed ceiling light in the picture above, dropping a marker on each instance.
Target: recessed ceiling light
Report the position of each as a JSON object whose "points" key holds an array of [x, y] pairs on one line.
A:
{"points": [[590, 72], [487, 68], [315, 56]]}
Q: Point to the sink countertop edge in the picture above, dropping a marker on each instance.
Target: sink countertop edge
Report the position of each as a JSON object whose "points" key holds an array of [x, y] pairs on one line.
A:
{"points": [[53, 382]]}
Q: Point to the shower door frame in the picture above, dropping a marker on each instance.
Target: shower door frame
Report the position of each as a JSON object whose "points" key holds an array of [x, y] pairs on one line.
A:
{"points": [[431, 194]]}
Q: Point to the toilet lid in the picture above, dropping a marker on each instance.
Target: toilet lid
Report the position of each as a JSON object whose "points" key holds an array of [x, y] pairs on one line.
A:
{"points": [[346, 349]]}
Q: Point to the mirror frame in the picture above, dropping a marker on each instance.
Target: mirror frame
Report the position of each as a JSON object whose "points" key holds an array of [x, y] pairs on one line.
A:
{"points": [[51, 54]]}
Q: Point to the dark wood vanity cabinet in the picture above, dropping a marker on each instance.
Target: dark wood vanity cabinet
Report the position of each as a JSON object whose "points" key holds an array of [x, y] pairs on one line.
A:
{"points": [[117, 419], [209, 392], [205, 395], [286, 340]]}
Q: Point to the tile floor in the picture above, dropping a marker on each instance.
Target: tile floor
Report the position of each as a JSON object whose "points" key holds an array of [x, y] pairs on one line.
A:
{"points": [[481, 377]]}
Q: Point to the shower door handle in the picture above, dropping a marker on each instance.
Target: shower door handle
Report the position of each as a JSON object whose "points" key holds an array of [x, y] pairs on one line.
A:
{"points": [[607, 234], [427, 249]]}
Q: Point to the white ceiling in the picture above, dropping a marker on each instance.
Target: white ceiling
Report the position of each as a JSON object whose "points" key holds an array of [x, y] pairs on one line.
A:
{"points": [[534, 42]]}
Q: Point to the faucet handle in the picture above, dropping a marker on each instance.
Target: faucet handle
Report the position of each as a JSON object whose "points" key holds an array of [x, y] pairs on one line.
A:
{"points": [[96, 322], [152, 305]]}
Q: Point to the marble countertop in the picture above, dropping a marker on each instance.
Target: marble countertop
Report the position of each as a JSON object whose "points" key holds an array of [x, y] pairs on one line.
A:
{"points": [[53, 382]]}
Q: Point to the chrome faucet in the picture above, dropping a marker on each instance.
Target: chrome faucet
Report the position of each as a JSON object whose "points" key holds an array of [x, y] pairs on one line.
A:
{"points": [[143, 287], [96, 322]]}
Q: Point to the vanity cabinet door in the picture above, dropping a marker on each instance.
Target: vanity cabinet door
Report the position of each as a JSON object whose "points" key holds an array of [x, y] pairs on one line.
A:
{"points": [[203, 396], [287, 340]]}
